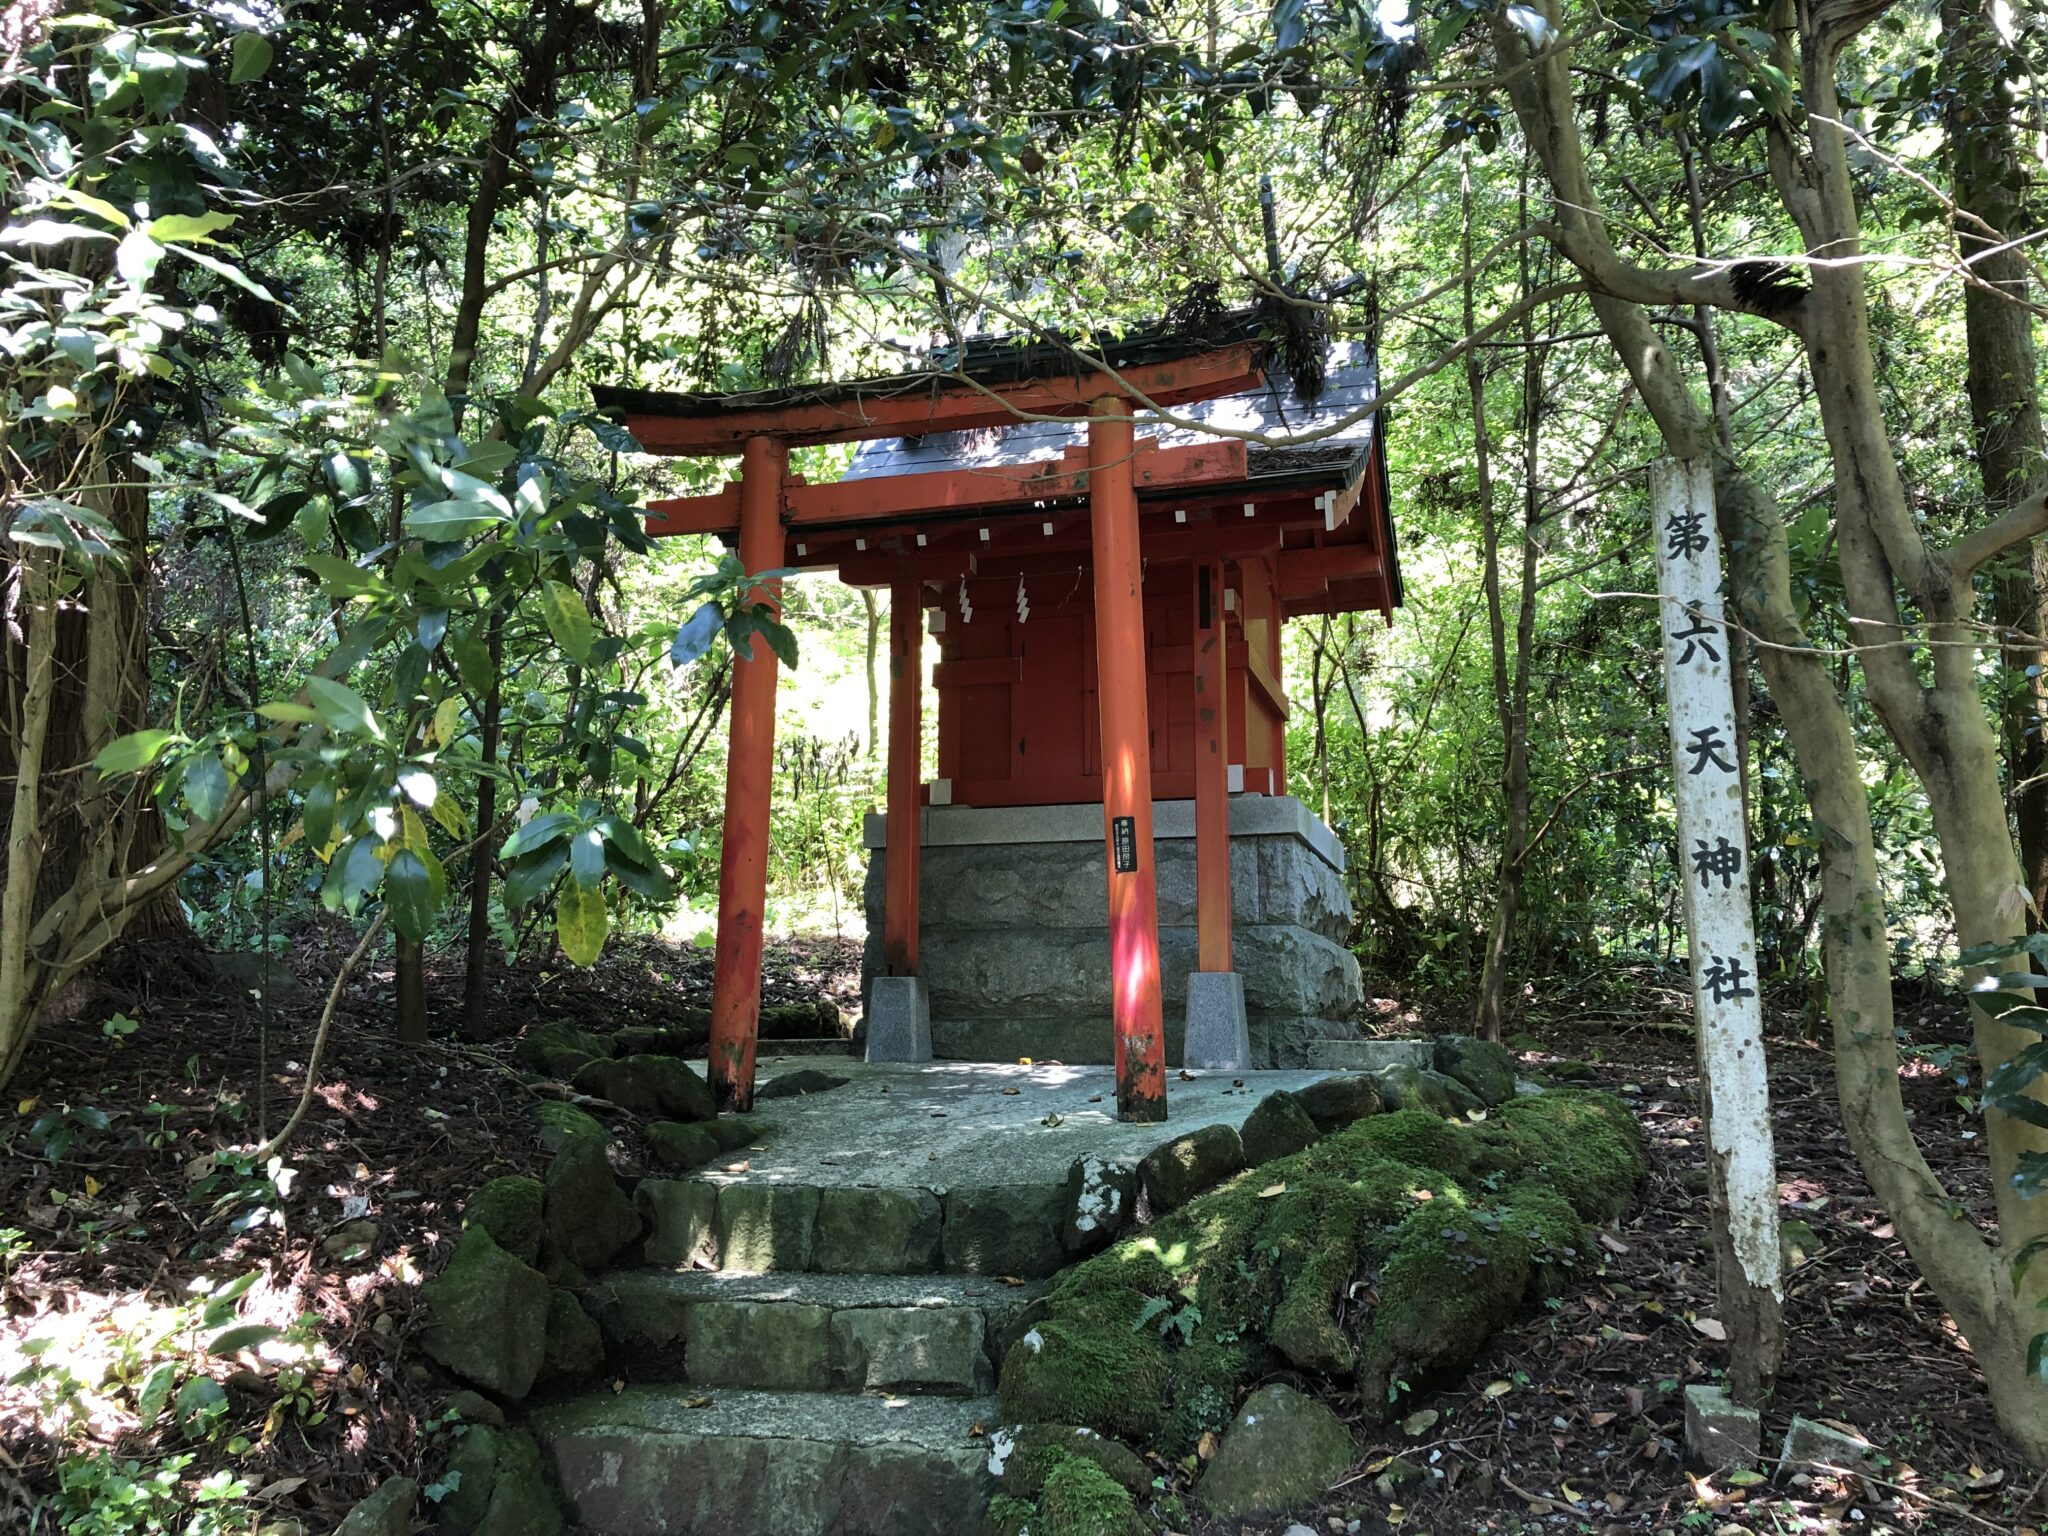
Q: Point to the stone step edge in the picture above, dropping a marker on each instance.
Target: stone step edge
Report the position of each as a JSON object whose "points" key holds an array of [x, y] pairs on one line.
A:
{"points": [[639, 1463], [817, 1333], [1026, 1230]]}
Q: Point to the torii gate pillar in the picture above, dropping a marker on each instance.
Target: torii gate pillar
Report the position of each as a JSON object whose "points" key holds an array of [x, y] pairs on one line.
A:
{"points": [[1135, 1011], [749, 782]]}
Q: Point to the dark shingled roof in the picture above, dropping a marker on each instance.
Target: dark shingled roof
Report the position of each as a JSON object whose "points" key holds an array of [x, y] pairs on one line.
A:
{"points": [[1275, 408], [988, 360]]}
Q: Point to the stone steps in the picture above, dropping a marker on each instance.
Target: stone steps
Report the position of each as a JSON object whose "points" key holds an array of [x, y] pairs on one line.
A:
{"points": [[1368, 1055], [924, 1335], [762, 1227], [642, 1462]]}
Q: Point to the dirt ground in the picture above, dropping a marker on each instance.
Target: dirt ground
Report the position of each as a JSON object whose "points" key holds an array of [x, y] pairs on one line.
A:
{"points": [[1568, 1424]]}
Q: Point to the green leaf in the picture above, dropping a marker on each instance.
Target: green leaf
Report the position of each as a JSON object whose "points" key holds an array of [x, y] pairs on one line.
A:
{"points": [[413, 887], [586, 856], [472, 661], [189, 226], [354, 870], [156, 1392], [567, 619], [317, 812], [530, 876], [253, 54], [197, 1398], [342, 709], [226, 272], [443, 522], [289, 711], [244, 1336], [581, 923], [136, 750], [206, 785], [537, 834]]}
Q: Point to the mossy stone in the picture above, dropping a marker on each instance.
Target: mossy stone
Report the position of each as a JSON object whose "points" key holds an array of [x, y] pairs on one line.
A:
{"points": [[1412, 1136], [1335, 1102], [682, 1221], [1484, 1066], [1079, 1498], [1152, 1340], [1587, 1146], [1283, 1449], [559, 1124], [574, 1350], [1277, 1127], [800, 1084], [763, 1228], [1174, 1174], [509, 1209], [652, 1040], [679, 1147], [487, 1317], [878, 1232], [502, 1491], [649, 1085], [732, 1132], [387, 1512], [1089, 1361], [558, 1048], [1403, 1086], [474, 1408], [589, 1218], [1027, 1452]]}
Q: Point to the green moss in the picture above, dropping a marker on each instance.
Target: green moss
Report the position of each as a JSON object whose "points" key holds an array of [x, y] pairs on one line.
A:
{"points": [[1587, 1146], [1080, 1499], [1452, 1274], [1072, 1495], [1093, 1360], [508, 1208], [1449, 1227], [1009, 1516], [1412, 1136]]}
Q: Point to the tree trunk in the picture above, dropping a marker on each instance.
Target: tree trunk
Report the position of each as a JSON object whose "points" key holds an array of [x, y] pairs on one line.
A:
{"points": [[411, 1013], [484, 857], [2003, 384]]}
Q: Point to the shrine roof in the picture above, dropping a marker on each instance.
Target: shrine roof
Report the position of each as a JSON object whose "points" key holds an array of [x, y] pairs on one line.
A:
{"points": [[1275, 408], [991, 361]]}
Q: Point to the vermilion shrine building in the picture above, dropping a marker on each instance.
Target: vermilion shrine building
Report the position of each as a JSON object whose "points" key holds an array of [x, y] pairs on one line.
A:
{"points": [[1107, 856]]}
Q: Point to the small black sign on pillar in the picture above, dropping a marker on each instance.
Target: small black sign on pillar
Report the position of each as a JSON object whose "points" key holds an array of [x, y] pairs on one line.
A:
{"points": [[1123, 837]]}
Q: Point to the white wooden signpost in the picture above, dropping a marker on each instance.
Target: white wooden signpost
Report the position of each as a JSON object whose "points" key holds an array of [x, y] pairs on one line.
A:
{"points": [[1714, 864]]}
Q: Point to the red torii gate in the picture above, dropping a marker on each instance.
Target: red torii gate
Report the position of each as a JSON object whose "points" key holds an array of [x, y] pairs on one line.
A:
{"points": [[906, 530]]}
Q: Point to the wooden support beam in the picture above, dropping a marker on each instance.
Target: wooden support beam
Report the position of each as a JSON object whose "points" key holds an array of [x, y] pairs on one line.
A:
{"points": [[947, 405], [1212, 773], [1135, 1009], [749, 776], [903, 855], [1305, 572], [912, 498]]}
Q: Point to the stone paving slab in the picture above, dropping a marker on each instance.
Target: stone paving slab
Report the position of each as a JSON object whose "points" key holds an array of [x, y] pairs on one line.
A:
{"points": [[640, 1463], [966, 1125], [839, 1292], [808, 1332]]}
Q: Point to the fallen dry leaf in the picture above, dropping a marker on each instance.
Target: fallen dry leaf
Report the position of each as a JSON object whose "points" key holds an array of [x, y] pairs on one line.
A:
{"points": [[1711, 1328]]}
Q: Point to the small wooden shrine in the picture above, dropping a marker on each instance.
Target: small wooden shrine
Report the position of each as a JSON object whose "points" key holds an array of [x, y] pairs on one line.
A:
{"points": [[1105, 541]]}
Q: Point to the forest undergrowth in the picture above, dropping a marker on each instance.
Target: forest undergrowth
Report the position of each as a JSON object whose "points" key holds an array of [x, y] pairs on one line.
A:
{"points": [[1570, 1421]]}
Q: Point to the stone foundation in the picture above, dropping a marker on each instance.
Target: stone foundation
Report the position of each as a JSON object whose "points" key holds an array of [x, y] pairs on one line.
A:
{"points": [[1015, 943]]}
